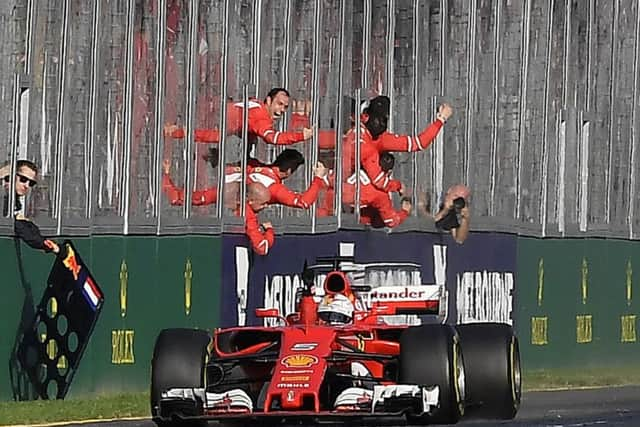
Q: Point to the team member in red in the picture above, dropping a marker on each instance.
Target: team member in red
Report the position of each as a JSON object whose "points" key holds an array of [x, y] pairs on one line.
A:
{"points": [[284, 166], [261, 116], [270, 176], [376, 206], [207, 196], [379, 109], [265, 187], [376, 139], [261, 236], [388, 141], [371, 171]]}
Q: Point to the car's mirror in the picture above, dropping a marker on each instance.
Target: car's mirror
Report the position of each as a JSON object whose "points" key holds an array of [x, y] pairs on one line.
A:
{"points": [[267, 312]]}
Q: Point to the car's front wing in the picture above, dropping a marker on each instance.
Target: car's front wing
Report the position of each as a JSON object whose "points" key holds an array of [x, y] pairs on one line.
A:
{"points": [[384, 401]]}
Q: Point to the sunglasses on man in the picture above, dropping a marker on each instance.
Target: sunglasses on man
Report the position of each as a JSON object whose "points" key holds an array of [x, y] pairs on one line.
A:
{"points": [[23, 179]]}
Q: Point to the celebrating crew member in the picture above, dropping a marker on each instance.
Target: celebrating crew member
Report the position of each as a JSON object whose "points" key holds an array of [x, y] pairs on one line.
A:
{"points": [[271, 176], [261, 116], [284, 166], [376, 206], [209, 195], [375, 139], [261, 236]]}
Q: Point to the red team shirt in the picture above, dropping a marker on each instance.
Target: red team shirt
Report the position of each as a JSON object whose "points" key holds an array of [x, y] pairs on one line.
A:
{"points": [[376, 206], [261, 241], [259, 124], [376, 178], [280, 193], [370, 150], [375, 183]]}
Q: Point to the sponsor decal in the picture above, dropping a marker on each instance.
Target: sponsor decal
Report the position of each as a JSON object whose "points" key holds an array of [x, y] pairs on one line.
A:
{"points": [[188, 276], [71, 263], [122, 347], [473, 276], [292, 385], [296, 371], [395, 293], [299, 361], [91, 293], [304, 346], [242, 280], [124, 277], [485, 296], [295, 378]]}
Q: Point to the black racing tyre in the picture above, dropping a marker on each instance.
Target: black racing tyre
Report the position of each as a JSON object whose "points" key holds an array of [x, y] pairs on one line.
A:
{"points": [[179, 359], [492, 369], [431, 355]]}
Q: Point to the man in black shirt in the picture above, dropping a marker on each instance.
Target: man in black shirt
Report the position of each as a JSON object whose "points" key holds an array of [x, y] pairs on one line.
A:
{"points": [[26, 174], [454, 214]]}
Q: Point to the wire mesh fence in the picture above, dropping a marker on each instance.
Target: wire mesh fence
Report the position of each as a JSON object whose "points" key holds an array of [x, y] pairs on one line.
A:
{"points": [[116, 96]]}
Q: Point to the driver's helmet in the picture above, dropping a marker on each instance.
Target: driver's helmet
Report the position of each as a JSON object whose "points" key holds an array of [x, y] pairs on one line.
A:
{"points": [[336, 309]]}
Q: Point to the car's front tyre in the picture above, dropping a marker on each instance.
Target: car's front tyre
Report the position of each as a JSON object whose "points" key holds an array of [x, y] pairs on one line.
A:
{"points": [[492, 361], [179, 358], [431, 355]]}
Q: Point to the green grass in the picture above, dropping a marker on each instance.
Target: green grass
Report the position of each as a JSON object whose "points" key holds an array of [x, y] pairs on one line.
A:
{"points": [[96, 407], [578, 378], [137, 404]]}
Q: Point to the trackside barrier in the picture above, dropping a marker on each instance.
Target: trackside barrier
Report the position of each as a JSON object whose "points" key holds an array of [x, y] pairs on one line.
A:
{"points": [[570, 300]]}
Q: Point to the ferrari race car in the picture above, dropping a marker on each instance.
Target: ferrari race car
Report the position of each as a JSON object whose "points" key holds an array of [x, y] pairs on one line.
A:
{"points": [[339, 365]]}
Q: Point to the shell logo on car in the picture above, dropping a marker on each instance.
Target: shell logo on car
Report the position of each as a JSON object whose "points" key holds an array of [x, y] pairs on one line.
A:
{"points": [[299, 361]]}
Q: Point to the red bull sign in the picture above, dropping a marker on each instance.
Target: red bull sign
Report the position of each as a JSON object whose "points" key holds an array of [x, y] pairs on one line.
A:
{"points": [[71, 263]]}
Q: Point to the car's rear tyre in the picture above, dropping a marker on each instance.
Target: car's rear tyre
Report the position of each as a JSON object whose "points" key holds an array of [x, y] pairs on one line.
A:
{"points": [[492, 367], [179, 358], [431, 355]]}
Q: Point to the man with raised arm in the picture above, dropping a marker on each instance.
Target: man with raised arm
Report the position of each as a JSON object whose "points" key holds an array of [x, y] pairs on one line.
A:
{"points": [[261, 116], [271, 176], [376, 139]]}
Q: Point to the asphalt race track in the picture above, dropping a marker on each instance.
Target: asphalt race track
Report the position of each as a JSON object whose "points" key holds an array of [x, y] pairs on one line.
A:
{"points": [[618, 407]]}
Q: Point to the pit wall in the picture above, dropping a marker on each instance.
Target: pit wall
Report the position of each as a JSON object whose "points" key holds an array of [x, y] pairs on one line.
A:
{"points": [[149, 283], [577, 302], [570, 300]]}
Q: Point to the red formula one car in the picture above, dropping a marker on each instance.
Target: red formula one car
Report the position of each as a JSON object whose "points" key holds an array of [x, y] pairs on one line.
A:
{"points": [[338, 360]]}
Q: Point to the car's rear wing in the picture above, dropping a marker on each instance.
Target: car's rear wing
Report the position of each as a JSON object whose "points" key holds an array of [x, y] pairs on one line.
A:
{"points": [[395, 284], [407, 301]]}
